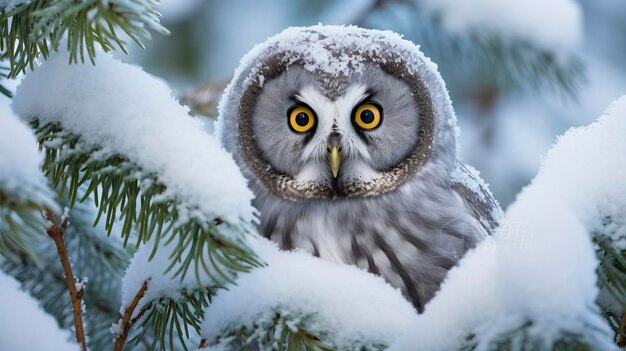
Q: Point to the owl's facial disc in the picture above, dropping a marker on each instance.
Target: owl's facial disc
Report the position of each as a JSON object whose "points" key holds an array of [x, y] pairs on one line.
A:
{"points": [[321, 145]]}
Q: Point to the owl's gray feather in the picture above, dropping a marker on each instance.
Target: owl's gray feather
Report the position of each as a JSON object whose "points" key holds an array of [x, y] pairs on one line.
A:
{"points": [[398, 207]]}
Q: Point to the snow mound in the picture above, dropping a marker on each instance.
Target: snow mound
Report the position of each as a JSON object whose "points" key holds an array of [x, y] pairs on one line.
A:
{"points": [[124, 110], [555, 25], [24, 325], [540, 266], [350, 307]]}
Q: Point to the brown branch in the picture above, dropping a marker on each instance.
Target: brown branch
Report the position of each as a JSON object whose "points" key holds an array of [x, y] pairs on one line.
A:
{"points": [[128, 320], [56, 232], [621, 337], [203, 100]]}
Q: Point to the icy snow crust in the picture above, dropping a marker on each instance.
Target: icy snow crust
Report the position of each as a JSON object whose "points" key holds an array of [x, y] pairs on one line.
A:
{"points": [[24, 325], [20, 161], [126, 111], [351, 307], [555, 25]]}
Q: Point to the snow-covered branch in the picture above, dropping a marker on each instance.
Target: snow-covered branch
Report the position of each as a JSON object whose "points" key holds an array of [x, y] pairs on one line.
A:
{"points": [[510, 44], [24, 191], [142, 157], [37, 27], [516, 20]]}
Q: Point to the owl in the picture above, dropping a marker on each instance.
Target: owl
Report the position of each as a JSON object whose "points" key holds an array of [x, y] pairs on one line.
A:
{"points": [[348, 139]]}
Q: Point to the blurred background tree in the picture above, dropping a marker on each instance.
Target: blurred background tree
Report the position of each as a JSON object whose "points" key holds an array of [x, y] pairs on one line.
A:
{"points": [[519, 73]]}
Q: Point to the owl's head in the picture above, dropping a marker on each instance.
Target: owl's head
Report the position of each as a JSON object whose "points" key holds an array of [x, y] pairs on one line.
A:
{"points": [[333, 111]]}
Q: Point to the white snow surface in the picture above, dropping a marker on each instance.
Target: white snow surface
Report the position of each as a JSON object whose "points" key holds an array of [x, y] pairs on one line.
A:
{"points": [[540, 264], [10, 5], [350, 306], [555, 25], [126, 111], [20, 161], [24, 325]]}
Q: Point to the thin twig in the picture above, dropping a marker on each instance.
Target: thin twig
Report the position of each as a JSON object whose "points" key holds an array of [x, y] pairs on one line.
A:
{"points": [[56, 232], [621, 337], [128, 320]]}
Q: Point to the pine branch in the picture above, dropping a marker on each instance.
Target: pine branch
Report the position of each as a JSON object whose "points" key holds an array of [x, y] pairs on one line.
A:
{"points": [[121, 190], [24, 191], [612, 278], [98, 258], [38, 27], [20, 226], [621, 333], [127, 320], [76, 291], [282, 333], [172, 320], [204, 99]]}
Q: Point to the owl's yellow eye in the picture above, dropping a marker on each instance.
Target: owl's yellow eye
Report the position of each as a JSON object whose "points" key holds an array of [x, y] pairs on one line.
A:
{"points": [[301, 119], [368, 116]]}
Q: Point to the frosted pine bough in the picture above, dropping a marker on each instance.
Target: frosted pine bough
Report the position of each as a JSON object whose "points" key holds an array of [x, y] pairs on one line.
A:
{"points": [[153, 147], [134, 151], [487, 277], [23, 188]]}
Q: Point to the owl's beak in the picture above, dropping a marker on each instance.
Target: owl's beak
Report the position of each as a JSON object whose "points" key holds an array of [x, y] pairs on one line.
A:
{"points": [[334, 160]]}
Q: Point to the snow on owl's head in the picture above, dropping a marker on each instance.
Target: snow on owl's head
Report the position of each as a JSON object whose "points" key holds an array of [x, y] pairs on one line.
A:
{"points": [[334, 111]]}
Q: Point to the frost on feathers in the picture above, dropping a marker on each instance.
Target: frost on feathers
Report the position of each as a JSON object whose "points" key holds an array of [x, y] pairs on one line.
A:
{"points": [[532, 21], [312, 46], [24, 325], [125, 111], [349, 307], [540, 266]]}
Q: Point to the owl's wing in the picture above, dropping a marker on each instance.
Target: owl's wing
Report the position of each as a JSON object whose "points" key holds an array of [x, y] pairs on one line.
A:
{"points": [[472, 189]]}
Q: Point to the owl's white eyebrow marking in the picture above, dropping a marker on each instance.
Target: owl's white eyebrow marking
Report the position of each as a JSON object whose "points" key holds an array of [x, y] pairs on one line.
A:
{"points": [[325, 111], [345, 104]]}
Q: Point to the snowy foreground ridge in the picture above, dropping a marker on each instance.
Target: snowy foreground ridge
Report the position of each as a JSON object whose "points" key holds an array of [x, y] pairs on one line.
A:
{"points": [[24, 325], [538, 267]]}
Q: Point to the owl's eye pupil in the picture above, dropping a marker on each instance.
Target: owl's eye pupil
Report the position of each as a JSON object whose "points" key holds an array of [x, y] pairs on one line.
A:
{"points": [[367, 116], [302, 119]]}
